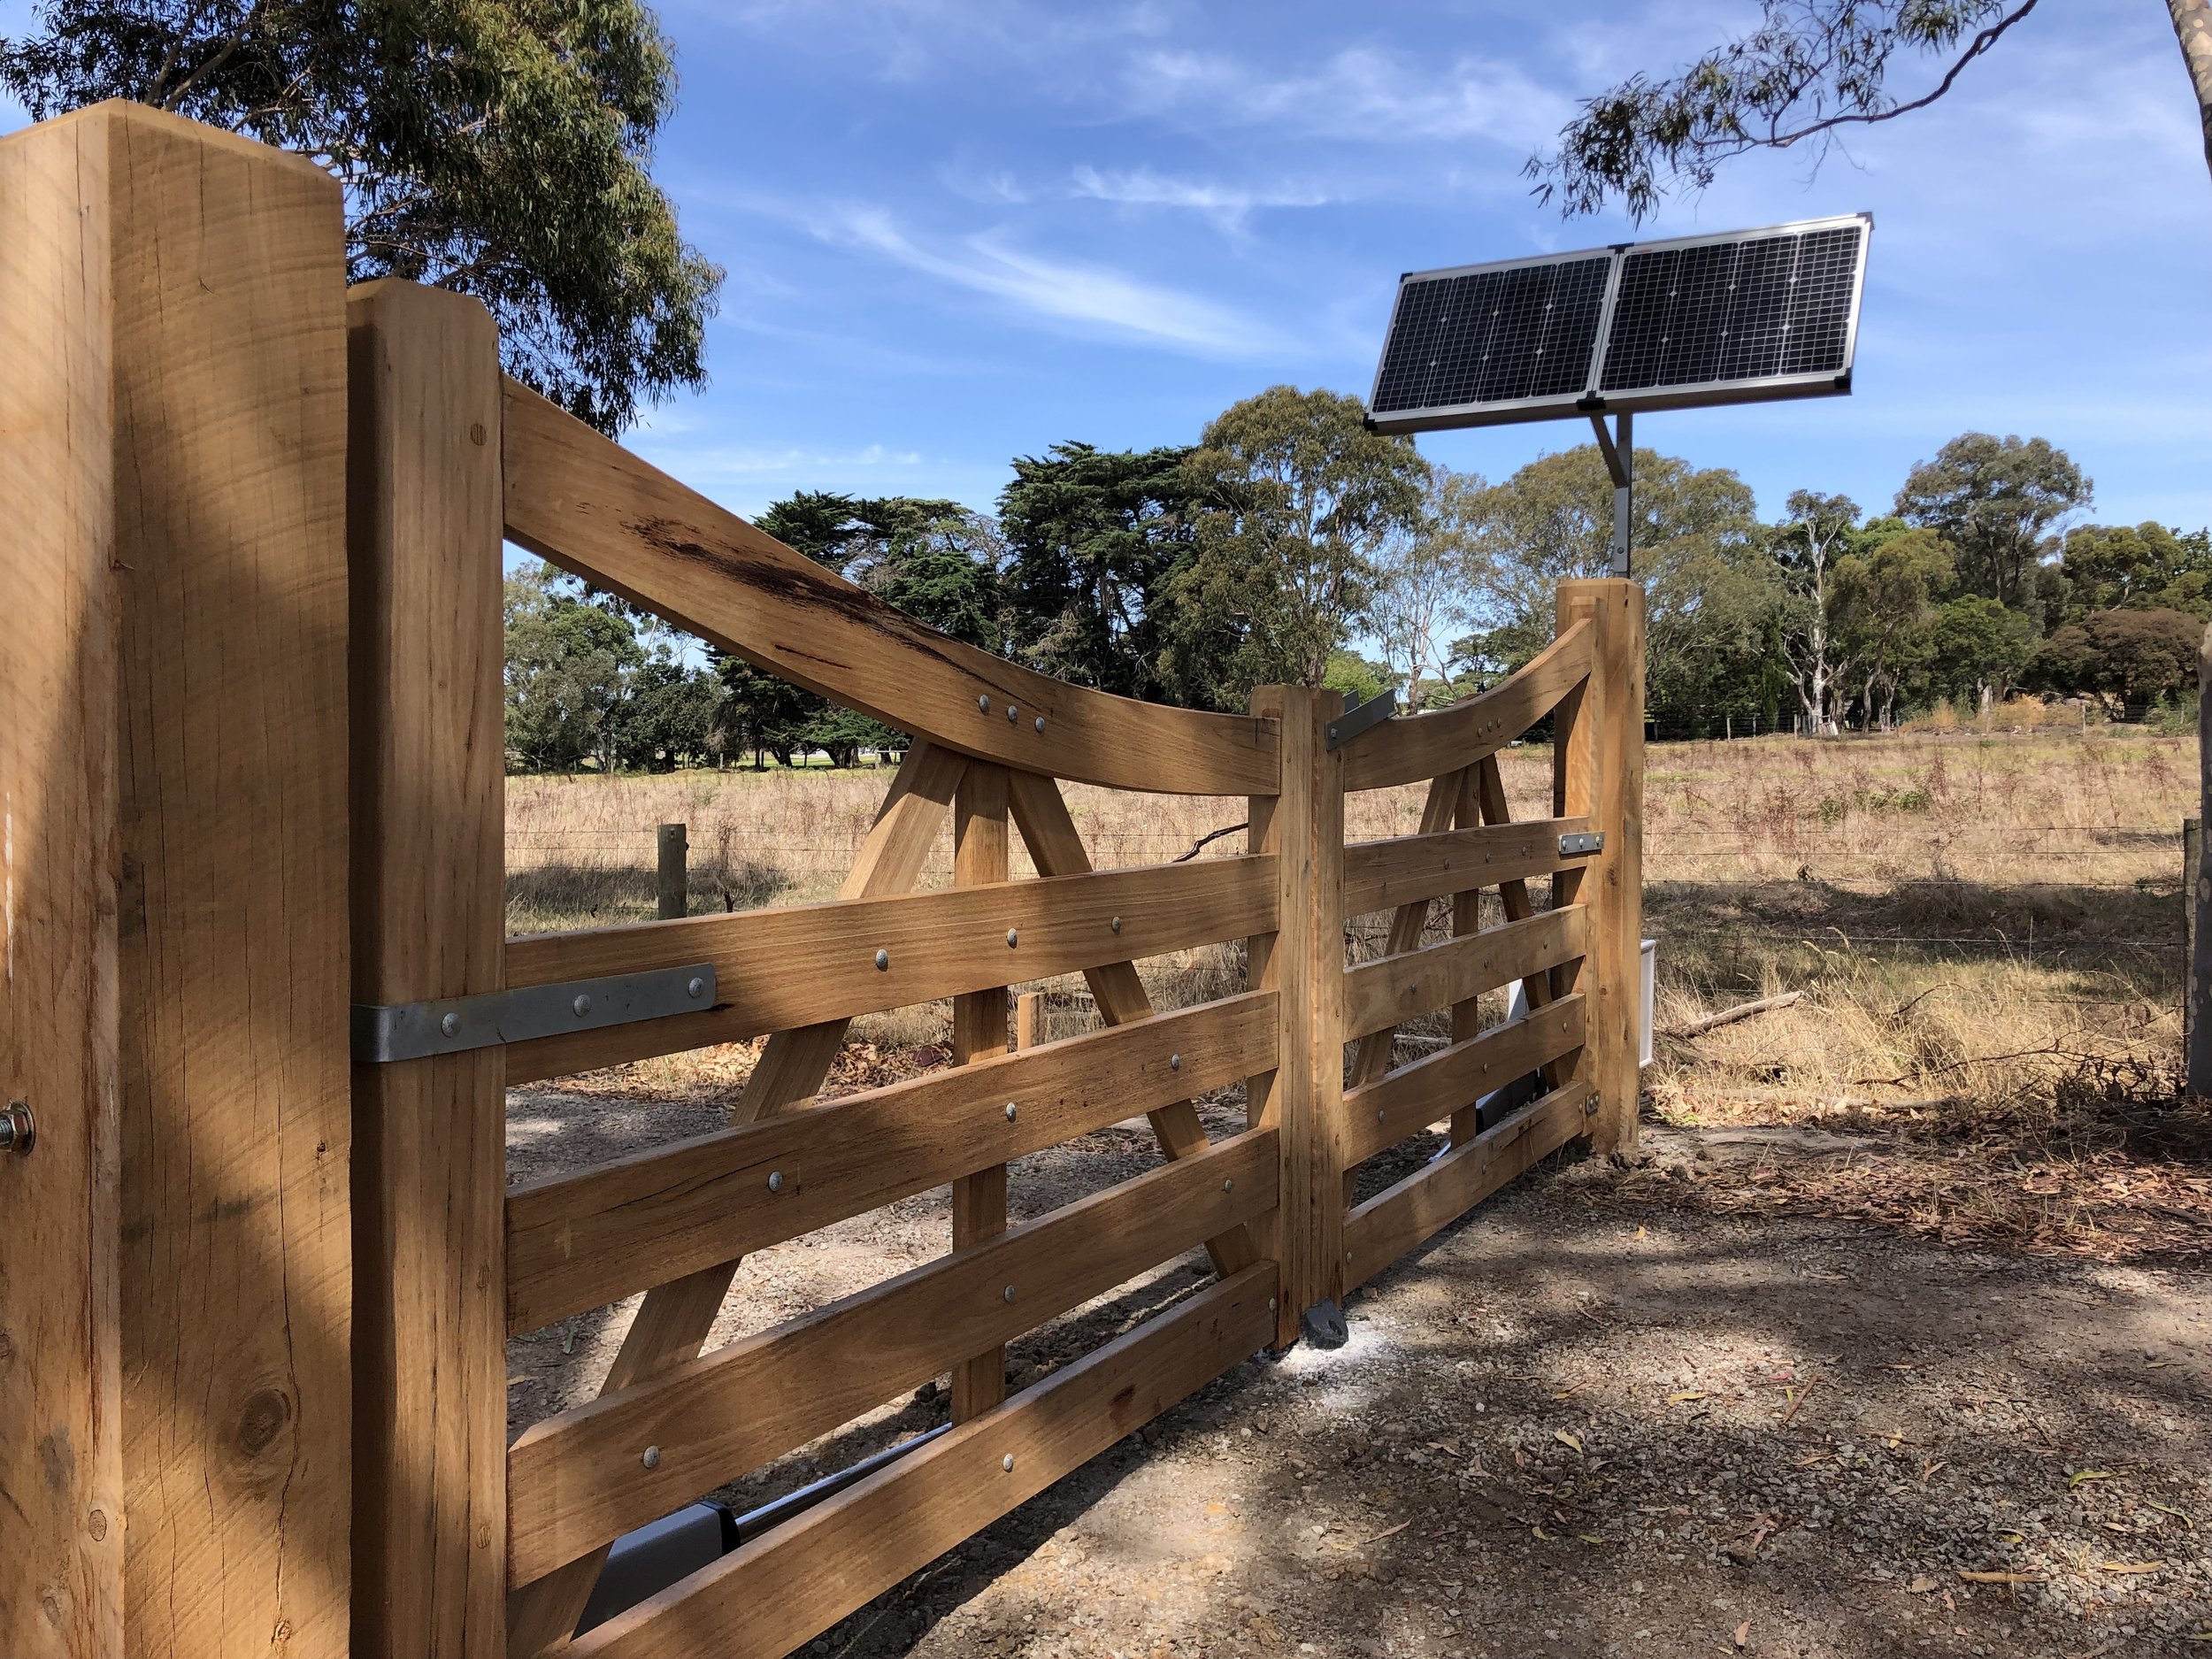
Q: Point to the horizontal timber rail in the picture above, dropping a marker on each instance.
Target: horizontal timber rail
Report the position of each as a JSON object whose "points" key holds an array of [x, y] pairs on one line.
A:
{"points": [[797, 965], [588, 505], [768, 1597], [575, 1482], [1404, 1102], [1391, 990], [1404, 1215], [578, 1241], [1413, 869], [1423, 746]]}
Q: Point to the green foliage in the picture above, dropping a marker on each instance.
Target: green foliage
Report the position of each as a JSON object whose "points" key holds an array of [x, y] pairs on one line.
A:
{"points": [[1976, 648], [1810, 68], [1711, 592], [497, 146], [1294, 502], [1091, 535], [2146, 567], [1994, 500], [2135, 656], [1348, 673], [569, 664], [1883, 591]]}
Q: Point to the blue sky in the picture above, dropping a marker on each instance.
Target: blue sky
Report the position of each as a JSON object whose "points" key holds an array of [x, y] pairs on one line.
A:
{"points": [[958, 230]]}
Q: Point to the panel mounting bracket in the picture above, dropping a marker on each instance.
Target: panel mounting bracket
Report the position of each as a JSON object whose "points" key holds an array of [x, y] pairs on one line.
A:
{"points": [[416, 1031], [1353, 721], [1581, 841]]}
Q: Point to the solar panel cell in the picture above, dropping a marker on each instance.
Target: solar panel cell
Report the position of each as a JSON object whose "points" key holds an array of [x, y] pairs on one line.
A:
{"points": [[1494, 336]]}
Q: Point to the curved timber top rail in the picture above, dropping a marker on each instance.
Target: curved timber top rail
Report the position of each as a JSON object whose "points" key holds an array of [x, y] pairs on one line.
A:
{"points": [[1429, 745], [585, 504]]}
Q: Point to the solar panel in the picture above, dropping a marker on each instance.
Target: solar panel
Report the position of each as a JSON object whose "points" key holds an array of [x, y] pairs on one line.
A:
{"points": [[1738, 317]]}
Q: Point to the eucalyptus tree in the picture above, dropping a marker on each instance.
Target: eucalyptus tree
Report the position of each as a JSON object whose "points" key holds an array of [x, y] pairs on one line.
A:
{"points": [[497, 147]]}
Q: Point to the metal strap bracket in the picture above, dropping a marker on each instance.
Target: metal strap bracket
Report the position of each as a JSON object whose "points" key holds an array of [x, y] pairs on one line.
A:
{"points": [[415, 1031], [1352, 722], [1581, 841]]}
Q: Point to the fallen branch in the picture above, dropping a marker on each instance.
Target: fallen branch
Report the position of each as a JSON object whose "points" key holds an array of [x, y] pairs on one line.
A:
{"points": [[1730, 1016], [1210, 835]]}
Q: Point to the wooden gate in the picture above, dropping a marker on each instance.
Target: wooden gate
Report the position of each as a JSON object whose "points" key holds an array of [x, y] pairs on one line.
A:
{"points": [[464, 1545]]}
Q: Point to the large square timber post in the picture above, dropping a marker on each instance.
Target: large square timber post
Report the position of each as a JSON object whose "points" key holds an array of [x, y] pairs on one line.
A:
{"points": [[175, 1273], [1599, 761]]}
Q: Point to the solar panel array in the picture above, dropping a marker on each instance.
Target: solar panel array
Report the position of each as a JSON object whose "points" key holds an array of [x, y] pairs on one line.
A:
{"points": [[1756, 314]]}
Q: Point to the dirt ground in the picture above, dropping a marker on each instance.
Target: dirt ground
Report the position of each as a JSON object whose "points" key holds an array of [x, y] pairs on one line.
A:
{"points": [[1605, 1415]]}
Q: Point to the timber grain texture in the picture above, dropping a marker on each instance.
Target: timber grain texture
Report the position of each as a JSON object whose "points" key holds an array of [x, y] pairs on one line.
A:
{"points": [[1409, 869], [196, 466], [578, 1241], [577, 1481], [582, 501], [810, 962], [771, 1595], [429, 754], [61, 1444], [677, 1313]]}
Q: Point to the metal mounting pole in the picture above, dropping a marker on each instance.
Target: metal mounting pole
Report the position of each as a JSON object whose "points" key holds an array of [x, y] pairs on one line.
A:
{"points": [[1619, 450]]}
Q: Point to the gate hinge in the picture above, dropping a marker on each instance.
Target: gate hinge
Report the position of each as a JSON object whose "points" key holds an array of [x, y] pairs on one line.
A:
{"points": [[414, 1031], [1353, 721], [1581, 841]]}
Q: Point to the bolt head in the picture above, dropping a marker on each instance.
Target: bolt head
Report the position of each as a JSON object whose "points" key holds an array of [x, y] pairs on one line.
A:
{"points": [[1011, 1113], [983, 704], [1270, 1304], [697, 989], [1013, 937], [582, 1004], [450, 1024], [1040, 723], [775, 1181], [1012, 714], [1117, 924], [1009, 1292], [652, 1458], [883, 960], [1228, 1185], [1007, 1462], [1175, 1063]]}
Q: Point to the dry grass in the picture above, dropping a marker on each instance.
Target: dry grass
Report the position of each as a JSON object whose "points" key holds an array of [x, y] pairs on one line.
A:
{"points": [[1985, 928]]}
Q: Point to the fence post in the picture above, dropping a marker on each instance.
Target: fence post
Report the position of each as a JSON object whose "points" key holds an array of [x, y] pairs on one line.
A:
{"points": [[674, 881], [1598, 758], [2196, 898], [1302, 962], [430, 1529], [172, 474]]}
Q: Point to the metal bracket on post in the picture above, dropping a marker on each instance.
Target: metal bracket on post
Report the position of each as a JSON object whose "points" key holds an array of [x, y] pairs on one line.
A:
{"points": [[415, 1031], [1580, 842], [1619, 450], [1353, 721]]}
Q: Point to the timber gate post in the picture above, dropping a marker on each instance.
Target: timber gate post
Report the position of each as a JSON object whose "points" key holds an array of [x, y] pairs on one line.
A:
{"points": [[429, 781], [175, 1276], [1304, 964], [1598, 757]]}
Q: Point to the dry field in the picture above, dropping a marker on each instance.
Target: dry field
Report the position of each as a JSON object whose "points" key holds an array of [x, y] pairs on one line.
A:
{"points": [[1986, 931]]}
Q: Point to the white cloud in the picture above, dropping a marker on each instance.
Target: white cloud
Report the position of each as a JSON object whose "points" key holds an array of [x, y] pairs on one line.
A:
{"points": [[1359, 93], [1228, 203], [986, 263]]}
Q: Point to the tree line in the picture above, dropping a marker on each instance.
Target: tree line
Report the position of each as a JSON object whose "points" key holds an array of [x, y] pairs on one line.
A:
{"points": [[1290, 543]]}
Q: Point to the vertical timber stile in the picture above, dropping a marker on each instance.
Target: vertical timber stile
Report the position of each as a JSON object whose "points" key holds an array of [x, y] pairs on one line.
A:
{"points": [[979, 854], [1599, 756], [430, 1525], [174, 413], [1304, 962]]}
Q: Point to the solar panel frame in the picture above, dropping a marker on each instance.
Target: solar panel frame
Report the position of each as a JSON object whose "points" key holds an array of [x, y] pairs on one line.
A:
{"points": [[1591, 400]]}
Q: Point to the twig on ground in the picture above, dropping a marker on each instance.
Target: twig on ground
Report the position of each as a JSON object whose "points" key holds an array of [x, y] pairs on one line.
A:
{"points": [[1730, 1016]]}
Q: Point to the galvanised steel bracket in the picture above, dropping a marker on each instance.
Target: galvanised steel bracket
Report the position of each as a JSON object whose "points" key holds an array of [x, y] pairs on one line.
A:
{"points": [[1352, 722], [1581, 841], [415, 1031]]}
